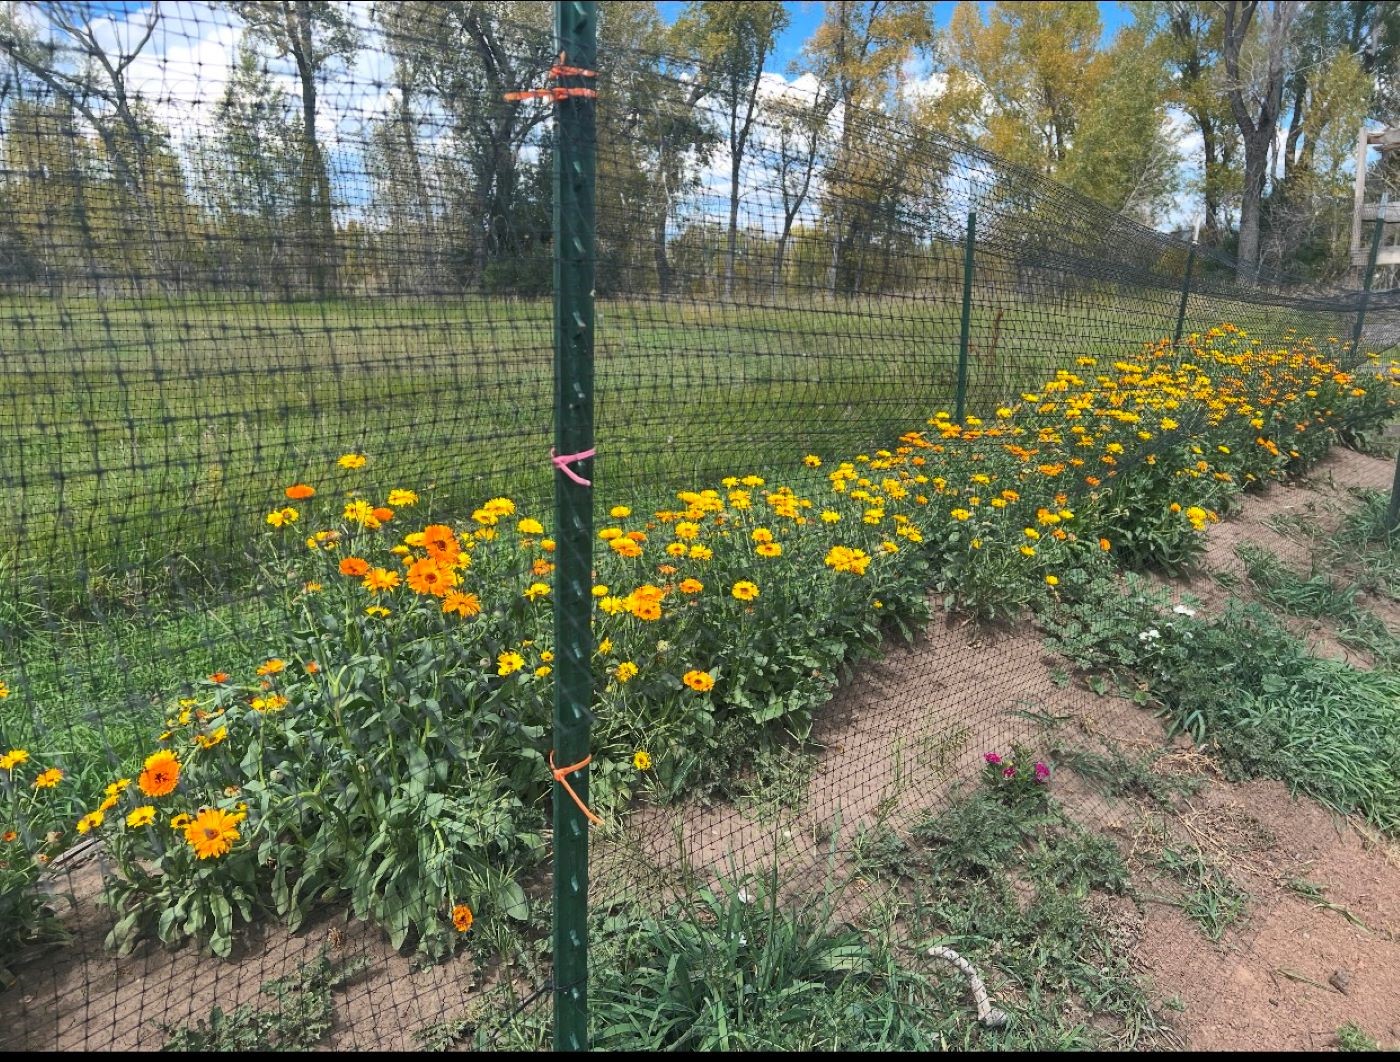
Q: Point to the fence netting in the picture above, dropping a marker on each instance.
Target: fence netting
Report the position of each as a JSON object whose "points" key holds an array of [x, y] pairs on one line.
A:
{"points": [[275, 638]]}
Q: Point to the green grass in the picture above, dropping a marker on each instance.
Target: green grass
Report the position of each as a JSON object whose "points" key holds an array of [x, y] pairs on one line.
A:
{"points": [[1210, 899], [1243, 683]]}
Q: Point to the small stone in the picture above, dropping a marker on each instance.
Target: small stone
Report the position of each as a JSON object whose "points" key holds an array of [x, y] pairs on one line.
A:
{"points": [[1340, 980]]}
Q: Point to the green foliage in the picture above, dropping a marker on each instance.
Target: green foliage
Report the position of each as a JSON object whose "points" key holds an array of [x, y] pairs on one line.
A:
{"points": [[1352, 1037], [300, 1020], [1244, 683], [1212, 900], [1116, 775]]}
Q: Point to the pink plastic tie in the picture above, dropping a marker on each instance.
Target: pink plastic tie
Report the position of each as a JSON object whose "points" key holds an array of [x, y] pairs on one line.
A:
{"points": [[563, 461]]}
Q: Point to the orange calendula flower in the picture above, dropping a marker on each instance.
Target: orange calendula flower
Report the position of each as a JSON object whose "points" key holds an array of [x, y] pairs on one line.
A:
{"points": [[700, 681], [1105, 545], [160, 774], [355, 567], [272, 667], [690, 586], [464, 605], [300, 492], [441, 542], [212, 833], [48, 779], [428, 576], [218, 678], [462, 918], [13, 759]]}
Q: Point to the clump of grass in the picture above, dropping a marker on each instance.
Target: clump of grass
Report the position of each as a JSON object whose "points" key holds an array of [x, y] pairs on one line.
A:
{"points": [[1116, 775], [1241, 682], [1211, 900], [1284, 589]]}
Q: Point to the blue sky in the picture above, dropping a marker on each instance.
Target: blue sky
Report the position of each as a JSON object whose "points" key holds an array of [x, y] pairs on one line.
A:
{"points": [[806, 14]]}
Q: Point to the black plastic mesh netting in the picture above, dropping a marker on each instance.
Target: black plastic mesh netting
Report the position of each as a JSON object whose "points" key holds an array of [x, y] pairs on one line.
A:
{"points": [[276, 363]]}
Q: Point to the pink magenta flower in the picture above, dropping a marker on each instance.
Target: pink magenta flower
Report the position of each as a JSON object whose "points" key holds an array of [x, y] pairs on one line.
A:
{"points": [[1010, 772], [1042, 772], [992, 758]]}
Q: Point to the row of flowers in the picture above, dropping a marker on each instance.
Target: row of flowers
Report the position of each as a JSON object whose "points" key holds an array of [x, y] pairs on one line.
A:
{"points": [[394, 751]]}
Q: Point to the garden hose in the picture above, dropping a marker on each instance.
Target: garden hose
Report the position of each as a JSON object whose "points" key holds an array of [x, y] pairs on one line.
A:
{"points": [[988, 1015]]}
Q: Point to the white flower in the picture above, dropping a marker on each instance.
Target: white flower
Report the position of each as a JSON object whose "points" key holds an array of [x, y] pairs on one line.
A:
{"points": [[1182, 610], [1150, 634]]}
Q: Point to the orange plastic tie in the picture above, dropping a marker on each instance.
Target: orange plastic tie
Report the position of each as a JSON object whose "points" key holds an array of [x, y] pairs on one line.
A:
{"points": [[561, 776], [560, 70], [559, 93]]}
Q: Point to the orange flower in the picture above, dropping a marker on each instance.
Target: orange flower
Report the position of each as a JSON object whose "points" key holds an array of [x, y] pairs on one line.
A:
{"points": [[1105, 545], [300, 492], [691, 586], [219, 678], [355, 567], [441, 542], [160, 775], [465, 605], [462, 918], [699, 681], [382, 514], [427, 576]]}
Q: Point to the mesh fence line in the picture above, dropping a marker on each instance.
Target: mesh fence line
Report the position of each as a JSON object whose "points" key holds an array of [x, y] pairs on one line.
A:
{"points": [[275, 605]]}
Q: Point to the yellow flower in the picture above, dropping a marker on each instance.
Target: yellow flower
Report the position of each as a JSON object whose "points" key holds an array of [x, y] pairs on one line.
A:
{"points": [[509, 662], [625, 671], [960, 514], [212, 833], [699, 681], [625, 547], [401, 499], [612, 605], [543, 671], [690, 586], [703, 553], [604, 647], [761, 534], [600, 591], [641, 760], [351, 461], [530, 527], [48, 779], [14, 758], [1029, 551], [535, 591], [619, 512], [90, 821], [744, 590], [1051, 580], [272, 667], [377, 611], [180, 821], [768, 549], [142, 816], [829, 517], [812, 461]]}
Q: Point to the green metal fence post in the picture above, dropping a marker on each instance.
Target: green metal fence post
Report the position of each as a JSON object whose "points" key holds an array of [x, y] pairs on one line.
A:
{"points": [[969, 245], [575, 157], [1370, 276], [1185, 294]]}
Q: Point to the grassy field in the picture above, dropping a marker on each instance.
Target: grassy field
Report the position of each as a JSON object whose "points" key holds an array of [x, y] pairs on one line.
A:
{"points": [[141, 440]]}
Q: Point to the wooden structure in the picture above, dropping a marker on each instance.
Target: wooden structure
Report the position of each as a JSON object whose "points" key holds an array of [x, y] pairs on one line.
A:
{"points": [[1385, 141]]}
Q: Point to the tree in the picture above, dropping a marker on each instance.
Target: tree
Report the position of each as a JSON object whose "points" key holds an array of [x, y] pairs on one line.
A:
{"points": [[859, 51], [1254, 80], [251, 165], [732, 40], [470, 55], [314, 33]]}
